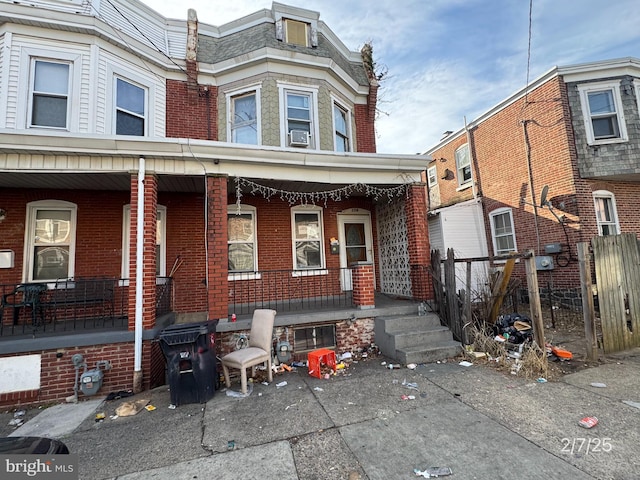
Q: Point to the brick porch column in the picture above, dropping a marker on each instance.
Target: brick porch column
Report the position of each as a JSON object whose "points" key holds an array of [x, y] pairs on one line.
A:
{"points": [[418, 242], [149, 252], [362, 282], [218, 260]]}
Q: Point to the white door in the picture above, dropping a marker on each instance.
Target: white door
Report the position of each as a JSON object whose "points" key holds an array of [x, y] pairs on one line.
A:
{"points": [[354, 235]]}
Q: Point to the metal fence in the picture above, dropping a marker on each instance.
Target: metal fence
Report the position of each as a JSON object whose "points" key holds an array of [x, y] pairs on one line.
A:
{"points": [[290, 290]]}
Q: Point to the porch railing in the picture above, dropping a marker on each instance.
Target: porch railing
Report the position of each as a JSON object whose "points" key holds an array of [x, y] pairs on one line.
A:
{"points": [[290, 290]]}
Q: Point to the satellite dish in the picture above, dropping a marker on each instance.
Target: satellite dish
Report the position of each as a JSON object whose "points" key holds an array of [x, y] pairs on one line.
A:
{"points": [[543, 196]]}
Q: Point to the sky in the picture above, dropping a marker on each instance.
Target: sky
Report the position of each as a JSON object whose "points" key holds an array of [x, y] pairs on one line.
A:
{"points": [[447, 60]]}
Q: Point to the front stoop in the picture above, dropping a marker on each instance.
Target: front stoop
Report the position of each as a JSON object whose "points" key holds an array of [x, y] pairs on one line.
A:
{"points": [[415, 339]]}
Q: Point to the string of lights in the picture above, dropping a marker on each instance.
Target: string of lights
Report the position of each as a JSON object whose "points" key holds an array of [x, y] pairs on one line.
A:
{"points": [[319, 197]]}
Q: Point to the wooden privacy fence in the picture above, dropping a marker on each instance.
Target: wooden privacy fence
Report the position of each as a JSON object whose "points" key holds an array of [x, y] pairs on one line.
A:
{"points": [[617, 267]]}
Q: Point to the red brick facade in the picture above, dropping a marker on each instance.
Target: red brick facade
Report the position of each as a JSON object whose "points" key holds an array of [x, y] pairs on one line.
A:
{"points": [[191, 114]]}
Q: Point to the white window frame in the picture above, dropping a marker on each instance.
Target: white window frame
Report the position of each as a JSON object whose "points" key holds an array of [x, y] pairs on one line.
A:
{"points": [[25, 85], [460, 168], [287, 22], [146, 83], [246, 210], [32, 92], [494, 235], [347, 119], [303, 271], [30, 239], [606, 197], [614, 87], [312, 92], [145, 116], [231, 96], [161, 231], [432, 176]]}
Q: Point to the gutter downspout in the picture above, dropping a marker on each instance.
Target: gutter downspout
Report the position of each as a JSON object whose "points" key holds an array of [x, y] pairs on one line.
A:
{"points": [[137, 358]]}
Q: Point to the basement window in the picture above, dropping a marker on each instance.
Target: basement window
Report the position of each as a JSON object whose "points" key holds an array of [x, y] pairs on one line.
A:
{"points": [[312, 338]]}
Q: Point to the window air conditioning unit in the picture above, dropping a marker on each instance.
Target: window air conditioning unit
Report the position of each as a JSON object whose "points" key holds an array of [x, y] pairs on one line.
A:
{"points": [[299, 138]]}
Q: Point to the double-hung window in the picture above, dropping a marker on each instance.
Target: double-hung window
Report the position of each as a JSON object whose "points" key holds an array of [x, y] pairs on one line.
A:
{"points": [[299, 113], [606, 214], [161, 241], [432, 176], [50, 94], [131, 107], [50, 240], [502, 231], [602, 110], [463, 165], [306, 223], [341, 128], [241, 239], [243, 118]]}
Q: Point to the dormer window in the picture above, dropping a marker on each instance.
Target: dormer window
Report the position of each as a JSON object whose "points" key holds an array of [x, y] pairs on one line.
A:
{"points": [[296, 32]]}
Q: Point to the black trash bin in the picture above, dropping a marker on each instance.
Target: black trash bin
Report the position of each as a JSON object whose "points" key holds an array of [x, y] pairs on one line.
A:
{"points": [[191, 361]]}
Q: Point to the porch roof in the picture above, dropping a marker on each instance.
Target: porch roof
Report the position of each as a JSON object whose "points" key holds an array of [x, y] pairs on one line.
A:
{"points": [[60, 160]]}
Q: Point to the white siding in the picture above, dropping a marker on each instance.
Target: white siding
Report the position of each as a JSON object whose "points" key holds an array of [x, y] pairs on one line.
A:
{"points": [[463, 230]]}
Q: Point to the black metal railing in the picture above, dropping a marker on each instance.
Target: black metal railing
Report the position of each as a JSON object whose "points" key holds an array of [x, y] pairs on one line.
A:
{"points": [[290, 290], [63, 306]]}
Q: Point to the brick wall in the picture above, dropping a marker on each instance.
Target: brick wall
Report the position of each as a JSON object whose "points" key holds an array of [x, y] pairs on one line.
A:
{"points": [[501, 152], [149, 251], [365, 129], [58, 372], [187, 118], [217, 247], [98, 234]]}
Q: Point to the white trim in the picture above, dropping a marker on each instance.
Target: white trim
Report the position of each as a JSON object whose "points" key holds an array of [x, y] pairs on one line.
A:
{"points": [[433, 169], [312, 92], [348, 115], [148, 85], [320, 240], [238, 93], [245, 210], [492, 215], [28, 56], [614, 87], [606, 195], [30, 236], [126, 236], [463, 184]]}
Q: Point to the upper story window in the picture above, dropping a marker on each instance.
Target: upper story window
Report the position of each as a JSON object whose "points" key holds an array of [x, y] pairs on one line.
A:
{"points": [[296, 32], [243, 114], [502, 231], [341, 128], [602, 111], [130, 101], [50, 240], [50, 85], [606, 213], [432, 176], [463, 165], [299, 114], [306, 223], [241, 239]]}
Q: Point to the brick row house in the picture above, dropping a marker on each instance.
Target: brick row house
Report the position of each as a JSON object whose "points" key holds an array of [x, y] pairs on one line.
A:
{"points": [[156, 171], [554, 164]]}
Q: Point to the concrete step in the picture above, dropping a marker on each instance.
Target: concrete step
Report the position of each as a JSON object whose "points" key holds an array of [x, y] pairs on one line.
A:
{"points": [[402, 323], [426, 337], [419, 354], [414, 339]]}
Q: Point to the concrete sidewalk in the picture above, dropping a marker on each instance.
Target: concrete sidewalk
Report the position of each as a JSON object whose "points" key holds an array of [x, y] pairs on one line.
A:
{"points": [[481, 423]]}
